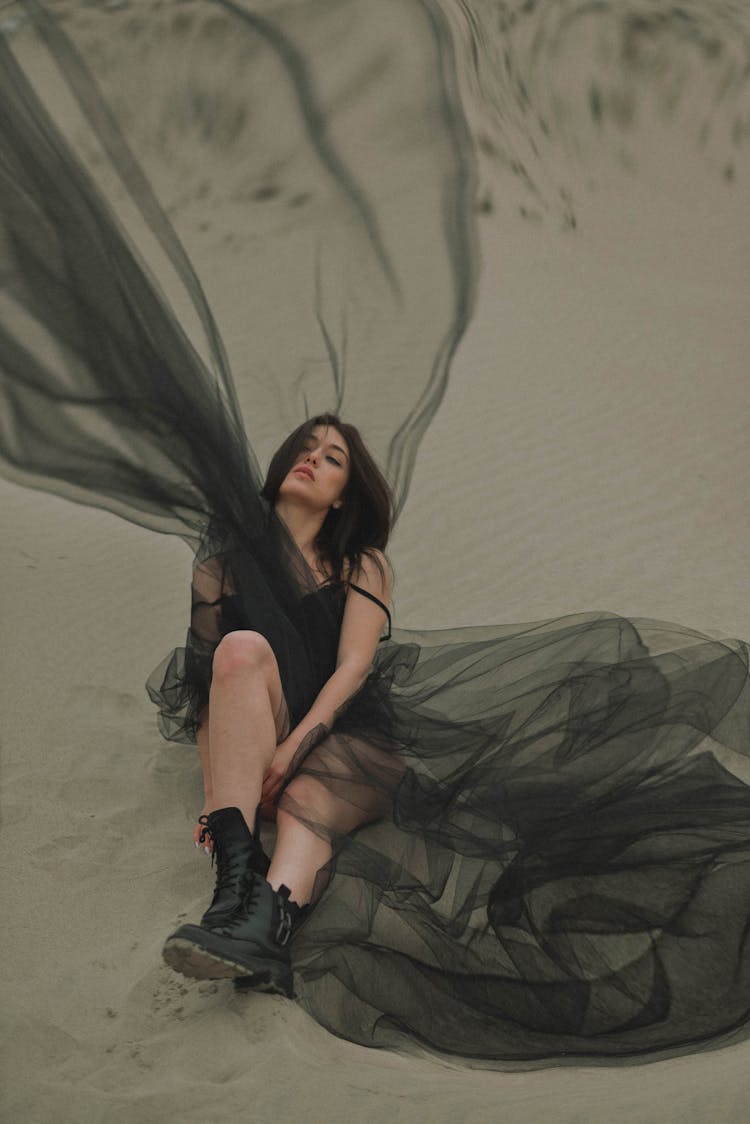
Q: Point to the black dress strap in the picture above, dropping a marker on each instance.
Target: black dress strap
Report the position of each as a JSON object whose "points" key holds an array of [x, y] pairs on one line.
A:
{"points": [[372, 597]]}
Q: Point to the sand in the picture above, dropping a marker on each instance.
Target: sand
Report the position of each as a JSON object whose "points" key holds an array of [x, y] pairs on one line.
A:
{"points": [[590, 453]]}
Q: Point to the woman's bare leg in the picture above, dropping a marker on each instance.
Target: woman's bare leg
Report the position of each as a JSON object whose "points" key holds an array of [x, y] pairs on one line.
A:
{"points": [[345, 782], [298, 856], [245, 721], [246, 695], [245, 704]]}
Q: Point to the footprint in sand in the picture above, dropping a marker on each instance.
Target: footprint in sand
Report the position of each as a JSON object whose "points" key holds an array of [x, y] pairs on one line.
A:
{"points": [[99, 702], [165, 996]]}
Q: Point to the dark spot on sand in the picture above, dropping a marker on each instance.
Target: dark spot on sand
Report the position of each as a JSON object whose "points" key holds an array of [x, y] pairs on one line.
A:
{"points": [[267, 191], [486, 145]]}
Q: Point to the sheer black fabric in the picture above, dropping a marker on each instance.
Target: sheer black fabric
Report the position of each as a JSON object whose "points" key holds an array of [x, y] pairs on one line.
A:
{"points": [[541, 832]]}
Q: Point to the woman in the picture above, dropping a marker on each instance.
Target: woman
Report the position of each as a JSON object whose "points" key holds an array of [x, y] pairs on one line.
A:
{"points": [[544, 826], [332, 501]]}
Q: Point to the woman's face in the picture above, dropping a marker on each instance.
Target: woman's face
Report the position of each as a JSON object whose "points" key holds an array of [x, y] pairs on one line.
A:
{"points": [[320, 473]]}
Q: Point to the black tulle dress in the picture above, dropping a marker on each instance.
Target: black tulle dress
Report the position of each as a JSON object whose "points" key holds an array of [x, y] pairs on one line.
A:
{"points": [[539, 848], [541, 832]]}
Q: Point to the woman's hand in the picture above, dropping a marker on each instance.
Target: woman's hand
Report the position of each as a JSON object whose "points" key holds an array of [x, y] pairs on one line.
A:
{"points": [[277, 771], [206, 844]]}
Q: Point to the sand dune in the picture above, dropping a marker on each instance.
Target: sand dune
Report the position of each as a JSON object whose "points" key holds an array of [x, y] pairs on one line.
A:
{"points": [[595, 431]]}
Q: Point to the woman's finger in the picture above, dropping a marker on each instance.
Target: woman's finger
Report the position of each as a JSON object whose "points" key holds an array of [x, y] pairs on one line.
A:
{"points": [[207, 844], [272, 779], [270, 788]]}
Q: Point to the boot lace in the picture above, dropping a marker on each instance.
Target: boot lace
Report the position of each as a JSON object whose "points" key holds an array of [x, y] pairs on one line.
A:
{"points": [[229, 867], [284, 926]]}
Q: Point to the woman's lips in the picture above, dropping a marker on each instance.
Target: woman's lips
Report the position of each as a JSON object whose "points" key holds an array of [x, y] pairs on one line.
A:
{"points": [[302, 471]]}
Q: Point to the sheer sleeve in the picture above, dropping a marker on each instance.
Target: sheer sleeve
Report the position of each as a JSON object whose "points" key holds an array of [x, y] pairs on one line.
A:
{"points": [[211, 591], [180, 685]]}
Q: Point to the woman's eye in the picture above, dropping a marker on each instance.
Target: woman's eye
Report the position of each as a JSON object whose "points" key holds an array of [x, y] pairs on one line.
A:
{"points": [[334, 461]]}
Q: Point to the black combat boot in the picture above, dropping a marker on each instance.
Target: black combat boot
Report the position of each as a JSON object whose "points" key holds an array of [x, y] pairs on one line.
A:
{"points": [[297, 915], [245, 930], [235, 851]]}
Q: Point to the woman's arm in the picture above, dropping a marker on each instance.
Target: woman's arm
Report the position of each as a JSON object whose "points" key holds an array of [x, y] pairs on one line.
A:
{"points": [[361, 630]]}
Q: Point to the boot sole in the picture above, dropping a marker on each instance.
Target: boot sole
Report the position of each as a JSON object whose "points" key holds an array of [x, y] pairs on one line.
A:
{"points": [[190, 954]]}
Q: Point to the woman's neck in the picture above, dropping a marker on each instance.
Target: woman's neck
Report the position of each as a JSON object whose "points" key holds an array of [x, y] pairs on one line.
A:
{"points": [[302, 524]]}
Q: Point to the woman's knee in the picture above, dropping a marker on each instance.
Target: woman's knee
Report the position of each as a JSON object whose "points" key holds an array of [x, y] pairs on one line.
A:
{"points": [[241, 653]]}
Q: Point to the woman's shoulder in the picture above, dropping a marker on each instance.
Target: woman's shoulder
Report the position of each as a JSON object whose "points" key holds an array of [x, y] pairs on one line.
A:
{"points": [[372, 571]]}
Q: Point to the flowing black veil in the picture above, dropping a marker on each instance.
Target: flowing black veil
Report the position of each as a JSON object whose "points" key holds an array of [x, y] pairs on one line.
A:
{"points": [[357, 274], [556, 851]]}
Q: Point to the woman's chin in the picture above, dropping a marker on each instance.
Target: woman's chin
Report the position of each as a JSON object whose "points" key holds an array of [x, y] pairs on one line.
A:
{"points": [[297, 489]]}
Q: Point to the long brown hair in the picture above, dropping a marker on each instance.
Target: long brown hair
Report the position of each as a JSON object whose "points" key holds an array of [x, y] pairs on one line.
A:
{"points": [[363, 522]]}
